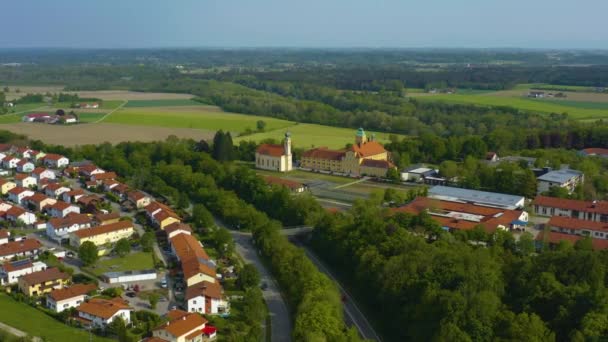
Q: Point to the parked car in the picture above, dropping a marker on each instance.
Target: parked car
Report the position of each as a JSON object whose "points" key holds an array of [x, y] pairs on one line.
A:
{"points": [[130, 294], [163, 283]]}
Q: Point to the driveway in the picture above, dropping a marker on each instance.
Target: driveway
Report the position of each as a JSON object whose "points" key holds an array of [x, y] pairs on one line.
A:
{"points": [[279, 313]]}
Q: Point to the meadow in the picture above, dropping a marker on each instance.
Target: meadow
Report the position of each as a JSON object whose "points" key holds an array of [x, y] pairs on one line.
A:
{"points": [[160, 103], [35, 323], [199, 117], [131, 262]]}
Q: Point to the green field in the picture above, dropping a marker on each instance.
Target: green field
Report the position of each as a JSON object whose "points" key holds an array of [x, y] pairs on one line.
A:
{"points": [[310, 135], [205, 117], [35, 323], [111, 104], [90, 117], [543, 106], [555, 87], [579, 104], [161, 103], [131, 262]]}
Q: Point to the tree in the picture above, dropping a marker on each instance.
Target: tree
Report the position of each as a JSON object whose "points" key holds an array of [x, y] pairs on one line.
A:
{"points": [[261, 125], [393, 174], [122, 247], [153, 299], [249, 276], [223, 147], [147, 241], [224, 241], [526, 244], [201, 217], [60, 112], [88, 253]]}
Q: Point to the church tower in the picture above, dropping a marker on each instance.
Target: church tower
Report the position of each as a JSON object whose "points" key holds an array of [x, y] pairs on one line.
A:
{"points": [[360, 138], [287, 148]]}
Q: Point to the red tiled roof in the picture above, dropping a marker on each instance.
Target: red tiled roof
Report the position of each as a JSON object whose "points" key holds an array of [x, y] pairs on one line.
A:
{"points": [[175, 226], [380, 164], [15, 211], [44, 276], [271, 150], [55, 186], [53, 156], [104, 308], [283, 182], [136, 195], [204, 289], [21, 176], [107, 228], [183, 323], [105, 175], [194, 266], [600, 207], [186, 246], [555, 238], [370, 148], [17, 190], [38, 170], [324, 153], [71, 219], [72, 291], [11, 266], [4, 233], [59, 205], [576, 224], [37, 198], [596, 151]]}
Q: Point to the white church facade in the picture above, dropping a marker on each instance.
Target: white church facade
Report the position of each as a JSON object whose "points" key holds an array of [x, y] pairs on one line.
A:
{"points": [[275, 157]]}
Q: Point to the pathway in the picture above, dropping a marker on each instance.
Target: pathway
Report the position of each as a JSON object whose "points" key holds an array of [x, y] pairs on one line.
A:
{"points": [[110, 113], [16, 332], [363, 179]]}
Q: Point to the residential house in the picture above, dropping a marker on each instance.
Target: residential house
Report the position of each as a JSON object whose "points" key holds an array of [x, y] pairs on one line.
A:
{"points": [[583, 210], [536, 94], [195, 262], [55, 161], [72, 196], [90, 184], [89, 170], [22, 248], [206, 298], [177, 228], [10, 162], [109, 184], [99, 177], [139, 199], [183, 327], [492, 157], [37, 156], [25, 166], [89, 203], [18, 194], [24, 152], [54, 190], [25, 181], [120, 190], [41, 282], [10, 271], [69, 297], [6, 186], [565, 178], [41, 173], [103, 219], [102, 235], [60, 228], [295, 187], [38, 201], [62, 209], [466, 216], [161, 215], [100, 312], [18, 214]]}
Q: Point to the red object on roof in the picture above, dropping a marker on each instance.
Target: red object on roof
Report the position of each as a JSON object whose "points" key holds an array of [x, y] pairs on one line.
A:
{"points": [[271, 150]]}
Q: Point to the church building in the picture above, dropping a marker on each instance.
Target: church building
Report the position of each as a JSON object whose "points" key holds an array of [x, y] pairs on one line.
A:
{"points": [[366, 157], [275, 157]]}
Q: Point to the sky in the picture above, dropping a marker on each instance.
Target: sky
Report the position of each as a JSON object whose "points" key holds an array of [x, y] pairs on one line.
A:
{"points": [[304, 23]]}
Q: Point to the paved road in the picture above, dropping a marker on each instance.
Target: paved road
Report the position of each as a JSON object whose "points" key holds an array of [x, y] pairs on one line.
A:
{"points": [[353, 316], [279, 314]]}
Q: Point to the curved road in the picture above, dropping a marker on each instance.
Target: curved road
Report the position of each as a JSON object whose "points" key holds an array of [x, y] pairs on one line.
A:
{"points": [[279, 314], [354, 316]]}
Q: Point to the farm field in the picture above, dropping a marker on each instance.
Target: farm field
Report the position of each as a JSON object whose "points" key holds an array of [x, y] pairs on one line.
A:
{"points": [[517, 101], [21, 316], [161, 103], [200, 117], [101, 132], [311, 135], [131, 262], [121, 95]]}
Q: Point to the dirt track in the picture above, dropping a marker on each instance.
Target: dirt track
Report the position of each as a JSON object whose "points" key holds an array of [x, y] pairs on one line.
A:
{"points": [[102, 132]]}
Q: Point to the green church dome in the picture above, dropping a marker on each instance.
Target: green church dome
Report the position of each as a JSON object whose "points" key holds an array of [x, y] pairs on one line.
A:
{"points": [[360, 132]]}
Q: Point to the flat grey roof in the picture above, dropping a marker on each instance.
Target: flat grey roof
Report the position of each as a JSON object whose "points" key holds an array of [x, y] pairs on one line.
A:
{"points": [[559, 176], [449, 193], [128, 273]]}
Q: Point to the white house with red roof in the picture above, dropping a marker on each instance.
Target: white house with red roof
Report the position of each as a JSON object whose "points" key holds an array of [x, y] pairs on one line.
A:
{"points": [[55, 161], [41, 173], [24, 152], [25, 181], [72, 196], [62, 209], [89, 169], [17, 194], [10, 162], [60, 228], [10, 271], [25, 166], [54, 190], [18, 214], [68, 297], [38, 201], [275, 157], [206, 298], [183, 327], [100, 312], [19, 249], [36, 116]]}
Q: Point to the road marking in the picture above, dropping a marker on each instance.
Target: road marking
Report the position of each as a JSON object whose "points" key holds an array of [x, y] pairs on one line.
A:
{"points": [[110, 113], [351, 183]]}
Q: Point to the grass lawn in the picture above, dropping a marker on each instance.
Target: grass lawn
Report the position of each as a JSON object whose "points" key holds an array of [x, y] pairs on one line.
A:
{"points": [[199, 117], [310, 135], [132, 262], [161, 103], [542, 106], [305, 176], [24, 317]]}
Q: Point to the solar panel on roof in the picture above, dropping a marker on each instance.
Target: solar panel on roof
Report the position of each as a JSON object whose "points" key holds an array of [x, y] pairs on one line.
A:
{"points": [[20, 263]]}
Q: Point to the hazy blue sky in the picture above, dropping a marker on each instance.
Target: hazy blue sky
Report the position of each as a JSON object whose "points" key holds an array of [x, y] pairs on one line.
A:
{"points": [[307, 23]]}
